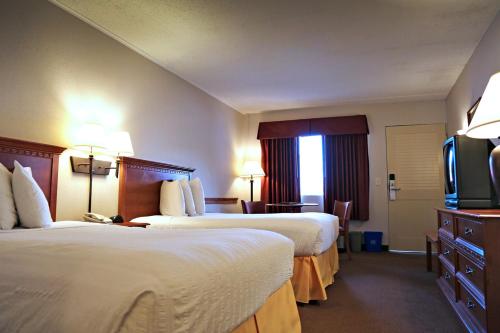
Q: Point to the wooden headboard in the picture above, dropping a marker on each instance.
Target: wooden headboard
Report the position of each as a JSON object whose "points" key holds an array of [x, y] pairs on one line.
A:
{"points": [[140, 185], [41, 158]]}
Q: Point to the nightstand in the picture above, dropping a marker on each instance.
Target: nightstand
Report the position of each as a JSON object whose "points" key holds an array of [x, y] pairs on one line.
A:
{"points": [[132, 224]]}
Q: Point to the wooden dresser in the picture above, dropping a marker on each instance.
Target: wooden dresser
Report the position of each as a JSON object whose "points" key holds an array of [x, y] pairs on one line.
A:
{"points": [[469, 266]]}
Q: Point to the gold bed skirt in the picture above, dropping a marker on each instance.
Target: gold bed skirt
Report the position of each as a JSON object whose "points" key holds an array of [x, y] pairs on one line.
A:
{"points": [[312, 274], [278, 315]]}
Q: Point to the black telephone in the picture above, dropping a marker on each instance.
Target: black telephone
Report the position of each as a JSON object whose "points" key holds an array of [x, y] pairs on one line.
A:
{"points": [[117, 219]]}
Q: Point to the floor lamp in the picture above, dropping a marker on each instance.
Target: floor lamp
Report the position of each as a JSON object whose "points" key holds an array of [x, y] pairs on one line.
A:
{"points": [[252, 169], [91, 139]]}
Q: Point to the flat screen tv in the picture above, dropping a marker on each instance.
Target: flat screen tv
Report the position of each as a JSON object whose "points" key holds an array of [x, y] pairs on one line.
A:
{"points": [[467, 176]]}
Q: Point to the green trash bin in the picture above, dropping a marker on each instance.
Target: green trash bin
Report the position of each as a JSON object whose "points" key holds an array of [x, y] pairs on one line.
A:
{"points": [[356, 239]]}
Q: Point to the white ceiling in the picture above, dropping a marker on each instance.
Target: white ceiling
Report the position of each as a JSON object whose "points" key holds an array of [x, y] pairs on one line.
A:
{"points": [[259, 55]]}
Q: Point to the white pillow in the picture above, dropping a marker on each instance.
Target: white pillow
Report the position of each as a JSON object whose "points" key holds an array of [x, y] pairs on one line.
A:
{"points": [[172, 199], [31, 204], [188, 197], [198, 195], [8, 214]]}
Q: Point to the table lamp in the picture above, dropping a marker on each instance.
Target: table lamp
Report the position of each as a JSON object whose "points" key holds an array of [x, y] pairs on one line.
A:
{"points": [[90, 138], [252, 169], [120, 145], [486, 125]]}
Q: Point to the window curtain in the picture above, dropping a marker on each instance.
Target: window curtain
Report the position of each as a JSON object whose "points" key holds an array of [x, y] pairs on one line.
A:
{"points": [[280, 161], [346, 173]]}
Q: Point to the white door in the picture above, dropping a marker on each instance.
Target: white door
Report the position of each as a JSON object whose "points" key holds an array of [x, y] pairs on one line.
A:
{"points": [[415, 162]]}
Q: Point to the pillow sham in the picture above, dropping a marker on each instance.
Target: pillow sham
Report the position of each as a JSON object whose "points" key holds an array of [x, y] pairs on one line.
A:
{"points": [[198, 195], [172, 199], [8, 214], [188, 197], [32, 206]]}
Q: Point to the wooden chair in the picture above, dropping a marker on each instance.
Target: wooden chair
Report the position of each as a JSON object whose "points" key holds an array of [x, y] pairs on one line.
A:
{"points": [[253, 207], [342, 210]]}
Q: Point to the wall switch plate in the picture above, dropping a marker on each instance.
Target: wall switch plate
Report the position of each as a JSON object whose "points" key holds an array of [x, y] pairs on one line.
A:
{"points": [[378, 181]]}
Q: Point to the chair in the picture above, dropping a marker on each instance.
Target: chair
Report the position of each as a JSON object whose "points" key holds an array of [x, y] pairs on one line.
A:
{"points": [[343, 209], [253, 207]]}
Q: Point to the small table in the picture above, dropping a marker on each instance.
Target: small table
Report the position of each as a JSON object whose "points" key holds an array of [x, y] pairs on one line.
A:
{"points": [[430, 238], [132, 224], [294, 207]]}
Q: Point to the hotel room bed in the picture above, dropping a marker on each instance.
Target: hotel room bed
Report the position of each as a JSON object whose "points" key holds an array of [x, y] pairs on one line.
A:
{"points": [[314, 234], [80, 277]]}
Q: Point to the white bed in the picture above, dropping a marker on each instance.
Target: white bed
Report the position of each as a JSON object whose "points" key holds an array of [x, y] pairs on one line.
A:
{"points": [[81, 277], [312, 233]]}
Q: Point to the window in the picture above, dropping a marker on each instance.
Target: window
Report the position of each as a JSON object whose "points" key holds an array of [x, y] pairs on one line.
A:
{"points": [[311, 165]]}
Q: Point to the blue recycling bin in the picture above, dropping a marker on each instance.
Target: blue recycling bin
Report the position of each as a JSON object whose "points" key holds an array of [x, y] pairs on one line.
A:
{"points": [[373, 241]]}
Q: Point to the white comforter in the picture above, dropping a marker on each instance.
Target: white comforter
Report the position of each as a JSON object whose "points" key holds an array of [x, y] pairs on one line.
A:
{"points": [[83, 277], [312, 233]]}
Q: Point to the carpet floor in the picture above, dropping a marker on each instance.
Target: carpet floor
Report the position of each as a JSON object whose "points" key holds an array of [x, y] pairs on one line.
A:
{"points": [[382, 292]]}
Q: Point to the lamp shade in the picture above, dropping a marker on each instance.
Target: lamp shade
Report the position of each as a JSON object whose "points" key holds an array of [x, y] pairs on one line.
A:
{"points": [[486, 121], [120, 144], [252, 169], [90, 138]]}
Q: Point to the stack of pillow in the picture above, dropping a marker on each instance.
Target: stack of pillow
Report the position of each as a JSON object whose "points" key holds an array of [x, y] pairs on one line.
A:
{"points": [[22, 201], [182, 197]]}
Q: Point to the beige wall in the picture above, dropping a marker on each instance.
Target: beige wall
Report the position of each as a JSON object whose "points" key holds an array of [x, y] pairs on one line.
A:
{"points": [[379, 116], [57, 72], [485, 61]]}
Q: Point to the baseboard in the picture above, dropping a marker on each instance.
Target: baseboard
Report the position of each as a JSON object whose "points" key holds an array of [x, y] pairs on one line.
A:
{"points": [[385, 248]]}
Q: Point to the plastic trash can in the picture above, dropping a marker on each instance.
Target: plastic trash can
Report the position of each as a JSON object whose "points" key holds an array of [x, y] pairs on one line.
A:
{"points": [[356, 239], [373, 241]]}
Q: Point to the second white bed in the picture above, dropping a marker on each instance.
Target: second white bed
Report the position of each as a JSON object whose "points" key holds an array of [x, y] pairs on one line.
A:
{"points": [[312, 233]]}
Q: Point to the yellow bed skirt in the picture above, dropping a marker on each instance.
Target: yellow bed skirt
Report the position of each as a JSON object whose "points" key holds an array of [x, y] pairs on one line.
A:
{"points": [[312, 274], [278, 315]]}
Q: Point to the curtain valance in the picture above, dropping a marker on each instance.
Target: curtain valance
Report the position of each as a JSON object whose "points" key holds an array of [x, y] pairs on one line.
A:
{"points": [[314, 126]]}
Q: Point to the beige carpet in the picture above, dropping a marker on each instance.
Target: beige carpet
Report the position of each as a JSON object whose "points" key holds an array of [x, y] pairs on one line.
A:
{"points": [[382, 292]]}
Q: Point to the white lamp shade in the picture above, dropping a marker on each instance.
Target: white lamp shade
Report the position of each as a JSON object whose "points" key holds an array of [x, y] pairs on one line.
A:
{"points": [[486, 121], [90, 137], [252, 169], [120, 144]]}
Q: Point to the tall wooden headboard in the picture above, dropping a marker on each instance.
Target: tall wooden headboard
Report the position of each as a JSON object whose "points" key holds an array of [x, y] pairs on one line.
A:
{"points": [[140, 185], [41, 158]]}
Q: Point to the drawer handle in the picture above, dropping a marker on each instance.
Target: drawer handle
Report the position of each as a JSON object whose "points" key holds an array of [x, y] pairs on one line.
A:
{"points": [[446, 252], [447, 276], [470, 304], [468, 269], [446, 222], [468, 231]]}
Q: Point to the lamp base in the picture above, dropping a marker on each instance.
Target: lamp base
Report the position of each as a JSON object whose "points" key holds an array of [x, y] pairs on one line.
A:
{"points": [[495, 171]]}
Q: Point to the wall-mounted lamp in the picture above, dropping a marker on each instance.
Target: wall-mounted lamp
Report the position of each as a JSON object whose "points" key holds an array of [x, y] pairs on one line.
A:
{"points": [[91, 139], [486, 125], [120, 145], [250, 170]]}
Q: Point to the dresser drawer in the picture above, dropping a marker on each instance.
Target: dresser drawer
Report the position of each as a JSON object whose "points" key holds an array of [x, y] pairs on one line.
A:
{"points": [[472, 307], [471, 232], [446, 223], [447, 252], [448, 276], [472, 272]]}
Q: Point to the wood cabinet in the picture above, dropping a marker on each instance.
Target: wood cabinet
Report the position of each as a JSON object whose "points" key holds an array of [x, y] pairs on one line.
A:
{"points": [[469, 266]]}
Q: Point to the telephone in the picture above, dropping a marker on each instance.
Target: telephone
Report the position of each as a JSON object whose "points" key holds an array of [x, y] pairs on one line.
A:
{"points": [[96, 218]]}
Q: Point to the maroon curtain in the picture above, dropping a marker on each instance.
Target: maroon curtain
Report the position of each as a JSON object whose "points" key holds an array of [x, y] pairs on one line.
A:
{"points": [[346, 173], [280, 161]]}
